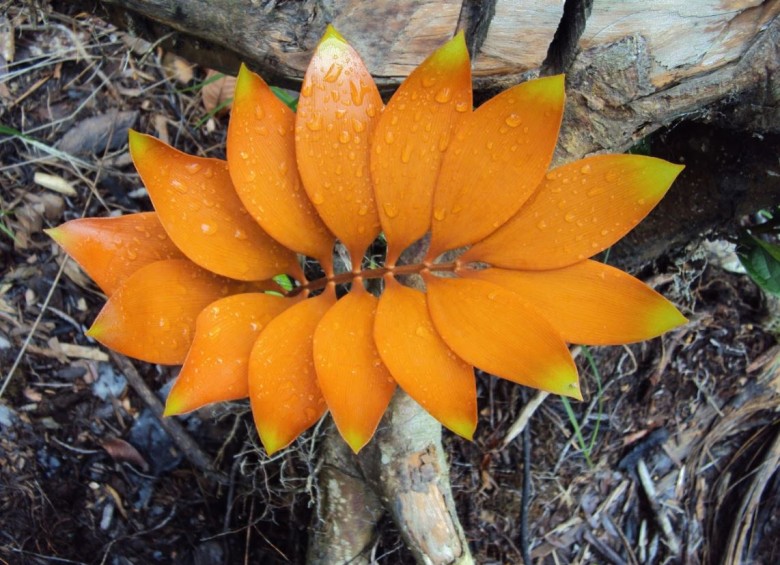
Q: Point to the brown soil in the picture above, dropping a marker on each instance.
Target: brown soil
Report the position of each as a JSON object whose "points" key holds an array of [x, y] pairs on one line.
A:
{"points": [[88, 475]]}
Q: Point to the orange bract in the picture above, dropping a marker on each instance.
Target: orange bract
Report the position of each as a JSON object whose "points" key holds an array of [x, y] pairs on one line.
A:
{"points": [[193, 282]]}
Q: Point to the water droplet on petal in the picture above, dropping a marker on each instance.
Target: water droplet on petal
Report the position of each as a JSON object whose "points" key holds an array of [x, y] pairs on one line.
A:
{"points": [[333, 73], [641, 201], [596, 191], [358, 126], [318, 198], [315, 123], [208, 228], [239, 234], [192, 168], [357, 92], [611, 176], [585, 169], [259, 112], [444, 95], [243, 154], [541, 225], [513, 120], [428, 81], [344, 136], [363, 210], [390, 209], [406, 155], [389, 137], [306, 89], [422, 331], [462, 107], [179, 186], [440, 214]]}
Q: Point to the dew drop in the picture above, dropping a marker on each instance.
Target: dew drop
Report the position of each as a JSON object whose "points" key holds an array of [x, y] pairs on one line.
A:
{"points": [[604, 231], [358, 126], [259, 112], [192, 168], [315, 123], [208, 228], [390, 209], [179, 186], [344, 136], [541, 225], [428, 81], [363, 210], [422, 331], [440, 214], [240, 234], [251, 174], [371, 111], [389, 137], [611, 176], [406, 155], [492, 295], [444, 95], [318, 198], [340, 113], [164, 324], [306, 90], [513, 120], [357, 92], [641, 201], [462, 107], [333, 73], [595, 191], [585, 169], [244, 155], [132, 254]]}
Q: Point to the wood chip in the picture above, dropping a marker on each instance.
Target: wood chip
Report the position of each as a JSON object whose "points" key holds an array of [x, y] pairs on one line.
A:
{"points": [[55, 183], [83, 352]]}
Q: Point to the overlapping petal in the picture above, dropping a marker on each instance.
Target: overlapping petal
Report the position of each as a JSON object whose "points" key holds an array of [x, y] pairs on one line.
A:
{"points": [[589, 302], [198, 207], [261, 156], [492, 328], [356, 385], [497, 158], [283, 389], [421, 362], [337, 113], [216, 367], [411, 138], [112, 249], [579, 210], [151, 316]]}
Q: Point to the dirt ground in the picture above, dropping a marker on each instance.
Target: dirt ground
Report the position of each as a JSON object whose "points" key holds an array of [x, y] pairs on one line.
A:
{"points": [[671, 458]]}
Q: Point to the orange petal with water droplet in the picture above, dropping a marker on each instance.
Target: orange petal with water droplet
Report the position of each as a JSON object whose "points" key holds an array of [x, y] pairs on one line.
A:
{"points": [[261, 159], [216, 368], [496, 159], [198, 207], [590, 303], [579, 210], [151, 316], [356, 385], [337, 113], [411, 137], [283, 389], [492, 328], [112, 249], [421, 362]]}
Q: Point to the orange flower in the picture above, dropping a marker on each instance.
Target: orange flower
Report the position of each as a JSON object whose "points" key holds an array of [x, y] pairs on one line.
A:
{"points": [[190, 283]]}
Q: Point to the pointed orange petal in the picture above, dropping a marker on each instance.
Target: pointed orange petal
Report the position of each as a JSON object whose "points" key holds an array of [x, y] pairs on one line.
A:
{"points": [[261, 159], [196, 203], [497, 158], [590, 303], [216, 365], [492, 328], [356, 385], [337, 114], [421, 362], [112, 249], [151, 316], [411, 136], [283, 388], [580, 209]]}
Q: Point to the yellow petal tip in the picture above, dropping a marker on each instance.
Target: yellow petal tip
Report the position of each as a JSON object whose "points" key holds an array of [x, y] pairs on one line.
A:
{"points": [[95, 331], [332, 33], [271, 440], [464, 428], [173, 406], [244, 82], [138, 142], [355, 440], [453, 53], [57, 234]]}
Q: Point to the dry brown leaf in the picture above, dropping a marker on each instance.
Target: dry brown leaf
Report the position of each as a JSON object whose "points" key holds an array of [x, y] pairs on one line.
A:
{"points": [[177, 69], [216, 92], [161, 127], [97, 134], [123, 452]]}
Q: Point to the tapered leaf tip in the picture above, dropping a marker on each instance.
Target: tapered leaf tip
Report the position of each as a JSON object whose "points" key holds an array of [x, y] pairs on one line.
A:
{"points": [[355, 440], [57, 234], [271, 440], [464, 428], [174, 406], [243, 81], [138, 142]]}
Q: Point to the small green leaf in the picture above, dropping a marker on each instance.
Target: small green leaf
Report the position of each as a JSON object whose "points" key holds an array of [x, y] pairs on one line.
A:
{"points": [[284, 282], [761, 261]]}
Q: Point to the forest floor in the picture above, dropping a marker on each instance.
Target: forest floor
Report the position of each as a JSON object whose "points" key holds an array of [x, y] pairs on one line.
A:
{"points": [[670, 458]]}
